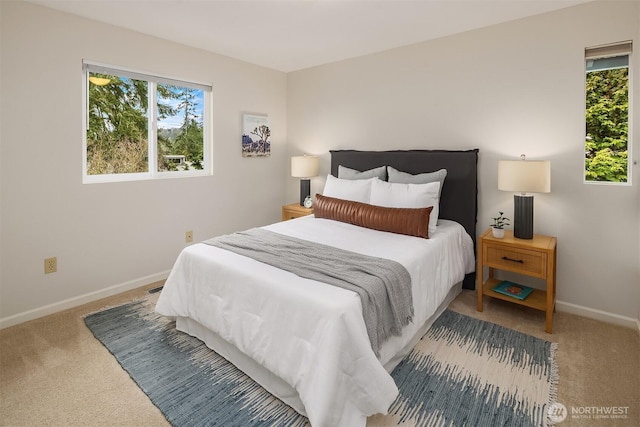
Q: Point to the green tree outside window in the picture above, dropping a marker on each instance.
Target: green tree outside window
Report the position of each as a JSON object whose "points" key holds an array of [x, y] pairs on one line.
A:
{"points": [[118, 123], [607, 125]]}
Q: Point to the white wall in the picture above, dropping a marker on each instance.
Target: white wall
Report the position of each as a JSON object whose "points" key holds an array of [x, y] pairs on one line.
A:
{"points": [[507, 89], [109, 237]]}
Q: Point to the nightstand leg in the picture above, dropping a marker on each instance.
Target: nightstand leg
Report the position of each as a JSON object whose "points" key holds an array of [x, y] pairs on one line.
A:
{"points": [[551, 295], [550, 307], [479, 278]]}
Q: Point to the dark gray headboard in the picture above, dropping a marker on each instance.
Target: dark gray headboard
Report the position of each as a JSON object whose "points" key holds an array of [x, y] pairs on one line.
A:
{"points": [[459, 199]]}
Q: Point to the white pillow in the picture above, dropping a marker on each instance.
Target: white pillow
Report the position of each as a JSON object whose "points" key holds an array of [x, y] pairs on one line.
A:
{"points": [[398, 195], [358, 190]]}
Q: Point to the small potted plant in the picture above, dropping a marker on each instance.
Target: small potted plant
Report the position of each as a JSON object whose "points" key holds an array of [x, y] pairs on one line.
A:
{"points": [[497, 227]]}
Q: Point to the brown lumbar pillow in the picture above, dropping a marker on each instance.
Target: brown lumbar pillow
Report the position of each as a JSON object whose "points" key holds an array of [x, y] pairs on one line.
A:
{"points": [[409, 221]]}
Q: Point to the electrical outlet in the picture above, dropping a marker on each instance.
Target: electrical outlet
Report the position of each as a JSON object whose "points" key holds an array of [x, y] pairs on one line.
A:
{"points": [[188, 236], [50, 265]]}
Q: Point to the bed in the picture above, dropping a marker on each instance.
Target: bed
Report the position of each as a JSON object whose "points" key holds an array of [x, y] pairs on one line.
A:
{"points": [[306, 341]]}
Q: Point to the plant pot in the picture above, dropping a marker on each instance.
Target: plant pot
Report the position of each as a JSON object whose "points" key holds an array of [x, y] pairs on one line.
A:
{"points": [[498, 233]]}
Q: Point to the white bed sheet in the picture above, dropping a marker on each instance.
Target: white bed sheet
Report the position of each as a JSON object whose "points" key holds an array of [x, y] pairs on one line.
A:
{"points": [[310, 334]]}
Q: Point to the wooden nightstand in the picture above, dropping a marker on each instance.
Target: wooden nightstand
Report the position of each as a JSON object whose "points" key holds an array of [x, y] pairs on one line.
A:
{"points": [[532, 257], [294, 210]]}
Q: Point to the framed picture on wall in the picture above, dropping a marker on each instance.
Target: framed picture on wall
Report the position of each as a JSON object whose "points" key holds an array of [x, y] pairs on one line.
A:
{"points": [[255, 136]]}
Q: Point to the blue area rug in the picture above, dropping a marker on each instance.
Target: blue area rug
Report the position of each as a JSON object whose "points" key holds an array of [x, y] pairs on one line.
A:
{"points": [[464, 372]]}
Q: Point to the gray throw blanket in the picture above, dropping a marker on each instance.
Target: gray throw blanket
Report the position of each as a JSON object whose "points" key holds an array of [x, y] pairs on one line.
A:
{"points": [[384, 286]]}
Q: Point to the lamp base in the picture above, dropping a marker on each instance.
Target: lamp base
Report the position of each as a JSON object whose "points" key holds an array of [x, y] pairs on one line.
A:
{"points": [[305, 190], [523, 216]]}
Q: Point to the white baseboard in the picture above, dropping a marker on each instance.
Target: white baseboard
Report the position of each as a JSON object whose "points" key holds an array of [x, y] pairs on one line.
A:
{"points": [[81, 299], [15, 319], [603, 316]]}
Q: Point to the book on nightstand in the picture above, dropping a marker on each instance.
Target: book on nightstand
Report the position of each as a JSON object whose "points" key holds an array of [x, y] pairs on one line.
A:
{"points": [[513, 290]]}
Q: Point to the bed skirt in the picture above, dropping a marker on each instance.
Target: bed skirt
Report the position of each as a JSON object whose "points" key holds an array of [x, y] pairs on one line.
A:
{"points": [[274, 384]]}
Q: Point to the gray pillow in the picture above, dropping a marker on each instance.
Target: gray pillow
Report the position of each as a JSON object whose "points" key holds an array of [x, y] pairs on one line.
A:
{"points": [[422, 178], [347, 173]]}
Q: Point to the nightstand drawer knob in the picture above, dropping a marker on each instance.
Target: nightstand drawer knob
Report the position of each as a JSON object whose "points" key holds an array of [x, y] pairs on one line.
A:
{"points": [[512, 260]]}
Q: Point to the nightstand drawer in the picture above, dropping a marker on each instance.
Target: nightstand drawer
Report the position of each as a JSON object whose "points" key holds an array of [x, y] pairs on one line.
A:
{"points": [[518, 260]]}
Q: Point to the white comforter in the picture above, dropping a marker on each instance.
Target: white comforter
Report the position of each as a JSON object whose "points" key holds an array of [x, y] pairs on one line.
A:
{"points": [[310, 334]]}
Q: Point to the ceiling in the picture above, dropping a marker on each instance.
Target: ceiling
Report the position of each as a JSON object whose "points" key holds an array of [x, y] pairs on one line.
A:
{"points": [[289, 35]]}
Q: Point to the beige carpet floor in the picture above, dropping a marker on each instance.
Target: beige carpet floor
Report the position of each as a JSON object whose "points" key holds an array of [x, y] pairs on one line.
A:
{"points": [[54, 373]]}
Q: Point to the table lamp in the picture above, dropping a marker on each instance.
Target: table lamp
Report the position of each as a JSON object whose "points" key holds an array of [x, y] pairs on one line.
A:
{"points": [[304, 167], [524, 177]]}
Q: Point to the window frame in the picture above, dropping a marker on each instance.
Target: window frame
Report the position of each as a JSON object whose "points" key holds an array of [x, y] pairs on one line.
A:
{"points": [[153, 80], [624, 48]]}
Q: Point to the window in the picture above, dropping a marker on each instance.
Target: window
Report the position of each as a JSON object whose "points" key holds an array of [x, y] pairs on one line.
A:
{"points": [[607, 113], [126, 139]]}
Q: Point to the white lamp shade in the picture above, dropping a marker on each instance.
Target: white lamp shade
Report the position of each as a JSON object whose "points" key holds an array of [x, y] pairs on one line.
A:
{"points": [[524, 176], [304, 166]]}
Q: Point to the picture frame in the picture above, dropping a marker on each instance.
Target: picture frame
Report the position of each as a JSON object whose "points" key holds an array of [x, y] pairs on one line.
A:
{"points": [[255, 135]]}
